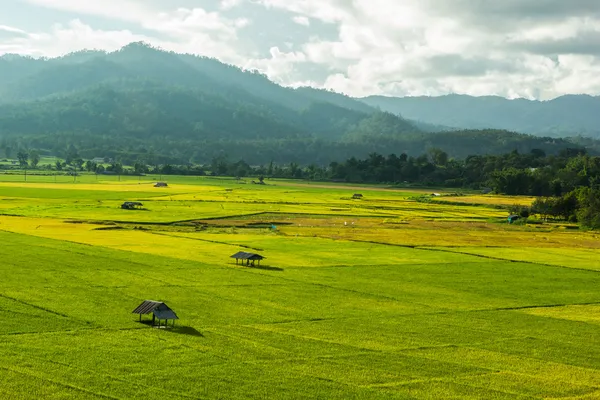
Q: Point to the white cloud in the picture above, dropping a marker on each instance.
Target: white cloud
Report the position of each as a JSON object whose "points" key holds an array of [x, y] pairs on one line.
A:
{"points": [[512, 47], [128, 10], [229, 4], [301, 20], [192, 30], [10, 29], [434, 47], [64, 39], [281, 66]]}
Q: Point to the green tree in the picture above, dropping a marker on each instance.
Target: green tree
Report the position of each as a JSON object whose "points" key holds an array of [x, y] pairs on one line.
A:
{"points": [[23, 156], [78, 163], [90, 166], [438, 157], [589, 207], [117, 167], [34, 158]]}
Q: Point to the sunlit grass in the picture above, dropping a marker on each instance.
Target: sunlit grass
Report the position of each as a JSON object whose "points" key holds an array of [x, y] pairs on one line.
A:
{"points": [[379, 298]]}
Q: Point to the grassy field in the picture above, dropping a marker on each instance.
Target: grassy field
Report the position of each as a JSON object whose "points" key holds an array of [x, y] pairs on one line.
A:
{"points": [[387, 297]]}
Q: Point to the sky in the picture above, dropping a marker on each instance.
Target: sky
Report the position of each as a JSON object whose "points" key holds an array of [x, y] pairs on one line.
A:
{"points": [[536, 49]]}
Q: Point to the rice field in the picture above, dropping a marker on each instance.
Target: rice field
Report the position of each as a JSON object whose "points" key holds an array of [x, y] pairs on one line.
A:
{"points": [[387, 297]]}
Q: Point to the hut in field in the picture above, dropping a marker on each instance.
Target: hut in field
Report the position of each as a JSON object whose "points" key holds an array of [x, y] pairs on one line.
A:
{"points": [[161, 184], [131, 205], [357, 196], [513, 218], [250, 258], [159, 310]]}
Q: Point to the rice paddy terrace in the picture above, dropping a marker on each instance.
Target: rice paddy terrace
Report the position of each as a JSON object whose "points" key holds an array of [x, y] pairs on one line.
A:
{"points": [[386, 296]]}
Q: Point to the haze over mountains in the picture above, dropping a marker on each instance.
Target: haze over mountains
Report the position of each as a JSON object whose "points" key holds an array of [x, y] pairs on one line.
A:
{"points": [[564, 116], [144, 103]]}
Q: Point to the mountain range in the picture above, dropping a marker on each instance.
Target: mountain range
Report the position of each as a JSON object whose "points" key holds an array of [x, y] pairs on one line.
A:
{"points": [[142, 103], [571, 115]]}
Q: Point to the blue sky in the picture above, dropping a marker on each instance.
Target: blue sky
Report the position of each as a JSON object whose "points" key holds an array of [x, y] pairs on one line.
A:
{"points": [[513, 48]]}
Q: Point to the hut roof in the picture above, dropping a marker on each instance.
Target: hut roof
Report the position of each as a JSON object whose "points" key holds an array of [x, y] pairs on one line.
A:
{"points": [[242, 255], [158, 308]]}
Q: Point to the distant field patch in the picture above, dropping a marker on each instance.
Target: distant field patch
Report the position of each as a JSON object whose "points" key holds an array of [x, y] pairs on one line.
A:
{"points": [[488, 200]]}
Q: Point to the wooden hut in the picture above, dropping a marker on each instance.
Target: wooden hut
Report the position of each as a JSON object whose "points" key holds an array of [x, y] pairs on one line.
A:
{"points": [[159, 310], [357, 196], [161, 184], [250, 258]]}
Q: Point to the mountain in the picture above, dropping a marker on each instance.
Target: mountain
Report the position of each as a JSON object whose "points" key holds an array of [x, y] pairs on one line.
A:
{"points": [[572, 115], [142, 103]]}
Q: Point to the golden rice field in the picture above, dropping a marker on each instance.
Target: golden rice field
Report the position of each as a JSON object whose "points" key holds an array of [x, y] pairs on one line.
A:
{"points": [[386, 297]]}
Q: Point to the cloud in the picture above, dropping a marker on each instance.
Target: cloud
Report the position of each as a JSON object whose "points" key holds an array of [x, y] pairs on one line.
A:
{"points": [[128, 10], [413, 47], [280, 66], [64, 39], [10, 29], [528, 48], [301, 20], [190, 30], [8, 33], [229, 4]]}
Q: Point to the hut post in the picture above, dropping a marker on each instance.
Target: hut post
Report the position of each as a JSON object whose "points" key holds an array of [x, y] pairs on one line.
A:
{"points": [[153, 319]]}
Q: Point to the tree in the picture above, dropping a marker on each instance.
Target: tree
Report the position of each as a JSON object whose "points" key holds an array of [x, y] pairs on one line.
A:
{"points": [[8, 151], [23, 156], [140, 168], [117, 168], [71, 155], [589, 207], [90, 166], [78, 163], [59, 165], [34, 158], [438, 157]]}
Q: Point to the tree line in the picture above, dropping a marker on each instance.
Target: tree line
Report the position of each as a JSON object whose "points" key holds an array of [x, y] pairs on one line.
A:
{"points": [[567, 184]]}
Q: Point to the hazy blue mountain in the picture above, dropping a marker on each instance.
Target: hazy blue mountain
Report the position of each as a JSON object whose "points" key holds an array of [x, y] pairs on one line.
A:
{"points": [[570, 115], [141, 102]]}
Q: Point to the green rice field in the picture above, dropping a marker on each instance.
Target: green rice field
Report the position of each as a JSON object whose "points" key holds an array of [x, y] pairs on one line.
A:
{"points": [[384, 297]]}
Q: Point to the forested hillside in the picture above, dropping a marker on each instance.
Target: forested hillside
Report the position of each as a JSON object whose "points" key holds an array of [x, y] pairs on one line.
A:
{"points": [[566, 116], [144, 104]]}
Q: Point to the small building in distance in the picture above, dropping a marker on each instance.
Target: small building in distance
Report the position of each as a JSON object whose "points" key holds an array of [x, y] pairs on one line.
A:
{"points": [[161, 184], [357, 196], [513, 218], [131, 205], [159, 310], [248, 257]]}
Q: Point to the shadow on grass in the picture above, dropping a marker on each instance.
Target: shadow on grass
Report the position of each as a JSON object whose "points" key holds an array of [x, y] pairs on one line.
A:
{"points": [[182, 330], [186, 330], [266, 268]]}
